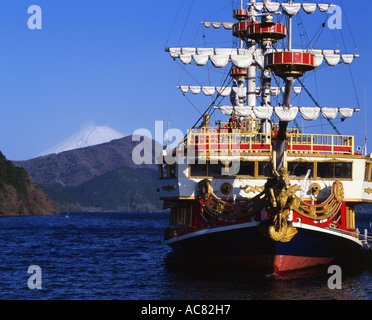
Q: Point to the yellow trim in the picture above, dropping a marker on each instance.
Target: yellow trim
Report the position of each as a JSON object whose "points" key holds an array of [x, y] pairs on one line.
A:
{"points": [[212, 141], [178, 198], [321, 140], [368, 171], [350, 217], [325, 155]]}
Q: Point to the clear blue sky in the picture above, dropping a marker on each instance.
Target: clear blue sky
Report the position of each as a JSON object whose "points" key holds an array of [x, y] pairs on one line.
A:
{"points": [[104, 61]]}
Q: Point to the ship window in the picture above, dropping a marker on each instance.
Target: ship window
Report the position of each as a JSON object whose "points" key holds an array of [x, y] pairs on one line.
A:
{"points": [[340, 170], [368, 172], [168, 171], [325, 170], [215, 169], [198, 170], [300, 169], [246, 168], [207, 169], [265, 168], [343, 170]]}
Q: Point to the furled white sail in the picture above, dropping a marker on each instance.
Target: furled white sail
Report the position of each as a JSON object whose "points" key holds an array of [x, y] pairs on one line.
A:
{"points": [[209, 91], [226, 110], [289, 114], [185, 58], [244, 58], [332, 59], [272, 7], [219, 61], [195, 89], [242, 61], [224, 91], [263, 113], [346, 112], [244, 112], [286, 114], [309, 113], [217, 25], [258, 6], [309, 8], [241, 92], [200, 59], [291, 9], [329, 113]]}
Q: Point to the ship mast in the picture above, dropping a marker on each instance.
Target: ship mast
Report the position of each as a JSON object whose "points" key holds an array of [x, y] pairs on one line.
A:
{"points": [[266, 46], [282, 132], [251, 74], [258, 34]]}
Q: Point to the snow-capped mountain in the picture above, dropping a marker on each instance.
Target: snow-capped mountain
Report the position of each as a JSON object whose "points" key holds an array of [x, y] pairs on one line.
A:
{"points": [[89, 135]]}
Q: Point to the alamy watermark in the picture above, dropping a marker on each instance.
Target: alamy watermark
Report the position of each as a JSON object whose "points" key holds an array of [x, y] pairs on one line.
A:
{"points": [[35, 20], [170, 147], [335, 280], [34, 281], [335, 20]]}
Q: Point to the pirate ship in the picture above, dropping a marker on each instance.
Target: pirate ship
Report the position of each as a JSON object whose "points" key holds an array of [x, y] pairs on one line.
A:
{"points": [[251, 191]]}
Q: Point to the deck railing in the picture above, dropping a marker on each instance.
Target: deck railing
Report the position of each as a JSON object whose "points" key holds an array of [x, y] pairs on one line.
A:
{"points": [[320, 143], [212, 141]]}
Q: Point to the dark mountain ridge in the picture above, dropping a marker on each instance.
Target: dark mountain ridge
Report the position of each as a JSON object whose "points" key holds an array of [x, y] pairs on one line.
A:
{"points": [[19, 195], [103, 177]]}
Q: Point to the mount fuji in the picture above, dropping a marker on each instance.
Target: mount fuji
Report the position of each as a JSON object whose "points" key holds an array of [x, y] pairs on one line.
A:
{"points": [[89, 135]]}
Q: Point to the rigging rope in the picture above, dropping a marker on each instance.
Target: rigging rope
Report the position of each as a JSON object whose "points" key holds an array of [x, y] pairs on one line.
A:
{"points": [[174, 22], [187, 19]]}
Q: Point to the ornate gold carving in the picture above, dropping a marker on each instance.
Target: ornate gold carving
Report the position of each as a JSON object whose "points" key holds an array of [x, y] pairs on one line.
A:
{"points": [[284, 175], [326, 209], [279, 233], [284, 233], [368, 190], [315, 188], [169, 188], [226, 188], [227, 211], [338, 191], [283, 199], [253, 189], [204, 189]]}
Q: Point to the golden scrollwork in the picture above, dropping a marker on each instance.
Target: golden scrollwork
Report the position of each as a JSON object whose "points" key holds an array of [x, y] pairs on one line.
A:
{"points": [[368, 190], [169, 188], [327, 208], [338, 191], [227, 210], [315, 188], [253, 189]]}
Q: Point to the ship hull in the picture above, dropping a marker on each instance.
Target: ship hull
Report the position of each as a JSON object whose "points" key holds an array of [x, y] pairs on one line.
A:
{"points": [[244, 247]]}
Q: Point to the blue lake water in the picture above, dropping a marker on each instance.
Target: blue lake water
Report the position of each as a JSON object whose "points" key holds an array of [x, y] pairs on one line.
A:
{"points": [[119, 256]]}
